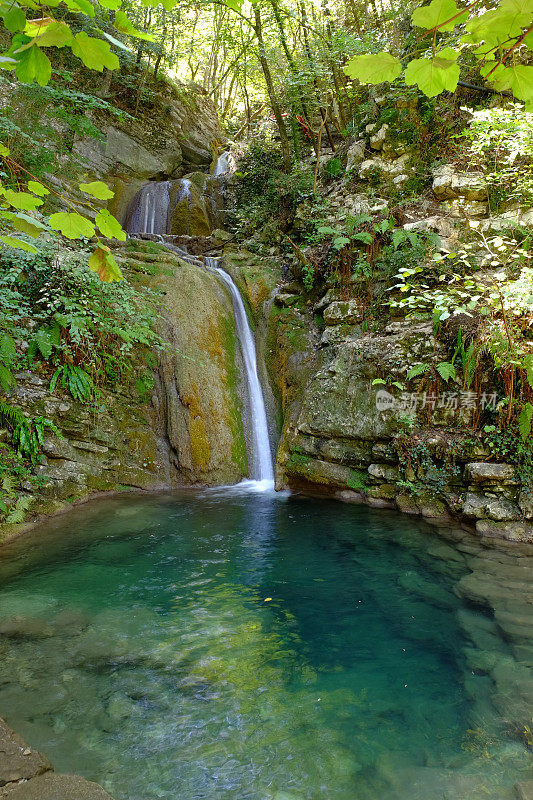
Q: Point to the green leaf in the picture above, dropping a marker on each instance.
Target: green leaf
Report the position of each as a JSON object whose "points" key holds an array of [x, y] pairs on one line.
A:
{"points": [[8, 350], [446, 371], [524, 421], [340, 242], [109, 226], [102, 262], [112, 5], [418, 369], [14, 20], [38, 188], [18, 244], [374, 68], [72, 225], [433, 76], [7, 379], [379, 382], [24, 224], [364, 236], [97, 189], [116, 42], [4, 151], [436, 14], [325, 229], [124, 25], [33, 65], [22, 200], [235, 5], [95, 53], [84, 6], [57, 34]]}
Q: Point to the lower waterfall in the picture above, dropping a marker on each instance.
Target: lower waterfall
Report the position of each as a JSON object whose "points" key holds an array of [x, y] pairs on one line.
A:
{"points": [[262, 470], [149, 213]]}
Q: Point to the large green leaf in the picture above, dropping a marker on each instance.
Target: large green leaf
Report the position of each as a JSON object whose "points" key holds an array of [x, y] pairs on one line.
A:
{"points": [[72, 225], [18, 244], [14, 19], [95, 53], [24, 224], [105, 265], [433, 76], [374, 68], [97, 189], [38, 188], [109, 226], [33, 65], [112, 5], [501, 24], [22, 200], [436, 14], [85, 6], [57, 34], [124, 25]]}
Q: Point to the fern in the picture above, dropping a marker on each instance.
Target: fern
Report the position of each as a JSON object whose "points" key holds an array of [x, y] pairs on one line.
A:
{"points": [[78, 382], [18, 512], [524, 421], [446, 370], [418, 369]]}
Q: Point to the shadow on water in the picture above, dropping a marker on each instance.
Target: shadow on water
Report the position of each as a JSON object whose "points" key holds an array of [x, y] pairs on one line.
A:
{"points": [[232, 643]]}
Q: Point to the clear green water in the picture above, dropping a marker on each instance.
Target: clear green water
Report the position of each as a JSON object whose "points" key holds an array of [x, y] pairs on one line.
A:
{"points": [[139, 646]]}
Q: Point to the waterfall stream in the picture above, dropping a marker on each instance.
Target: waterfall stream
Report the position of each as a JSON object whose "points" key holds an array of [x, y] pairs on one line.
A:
{"points": [[263, 470], [149, 213]]}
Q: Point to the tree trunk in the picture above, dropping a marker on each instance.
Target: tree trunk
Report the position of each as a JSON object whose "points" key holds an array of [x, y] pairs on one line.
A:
{"points": [[284, 139]]}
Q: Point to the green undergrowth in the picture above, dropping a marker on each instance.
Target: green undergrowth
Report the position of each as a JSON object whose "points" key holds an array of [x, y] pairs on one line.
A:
{"points": [[73, 333]]}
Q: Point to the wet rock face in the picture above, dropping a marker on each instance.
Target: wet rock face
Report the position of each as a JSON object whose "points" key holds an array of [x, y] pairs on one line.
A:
{"points": [[199, 391], [341, 432]]}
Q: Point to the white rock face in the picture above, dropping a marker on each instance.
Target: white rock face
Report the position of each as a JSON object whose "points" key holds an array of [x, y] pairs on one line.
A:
{"points": [[343, 311], [378, 139], [356, 154], [450, 185]]}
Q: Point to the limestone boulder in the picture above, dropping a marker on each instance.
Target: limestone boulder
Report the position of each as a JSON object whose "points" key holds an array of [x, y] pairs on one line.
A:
{"points": [[343, 312]]}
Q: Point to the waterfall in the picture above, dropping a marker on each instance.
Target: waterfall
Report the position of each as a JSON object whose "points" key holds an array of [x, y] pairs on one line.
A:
{"points": [[150, 208], [222, 164], [263, 470]]}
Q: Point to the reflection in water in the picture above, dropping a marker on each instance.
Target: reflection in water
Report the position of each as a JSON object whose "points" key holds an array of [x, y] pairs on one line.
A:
{"points": [[236, 644]]}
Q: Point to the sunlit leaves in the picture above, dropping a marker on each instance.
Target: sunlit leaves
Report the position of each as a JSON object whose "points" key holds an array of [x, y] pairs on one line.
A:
{"points": [[18, 244], [57, 34], [95, 53], [112, 5], [22, 200], [38, 188], [33, 65], [436, 14], [84, 6], [235, 5], [72, 225], [109, 226], [115, 41], [123, 25], [97, 189], [373, 68], [14, 19], [4, 151], [105, 265], [23, 223], [433, 76]]}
